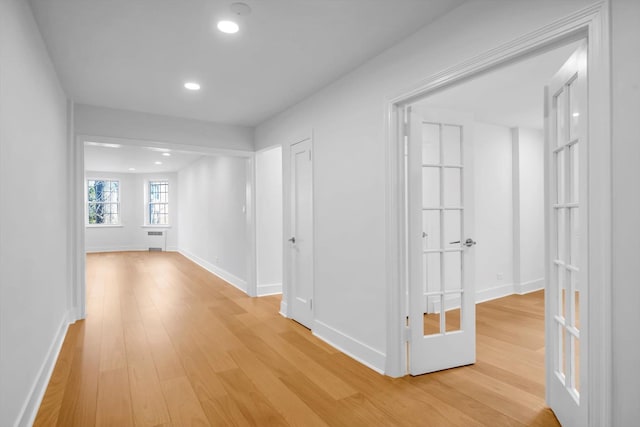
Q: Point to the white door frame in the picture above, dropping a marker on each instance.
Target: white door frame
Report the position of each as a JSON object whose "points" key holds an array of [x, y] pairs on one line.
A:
{"points": [[590, 23], [285, 303], [77, 291]]}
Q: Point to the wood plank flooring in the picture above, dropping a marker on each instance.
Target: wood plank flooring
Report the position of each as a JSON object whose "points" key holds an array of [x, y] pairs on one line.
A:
{"points": [[165, 343]]}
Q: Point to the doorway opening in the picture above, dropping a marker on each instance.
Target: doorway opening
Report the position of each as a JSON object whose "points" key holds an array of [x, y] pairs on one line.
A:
{"points": [[476, 153], [475, 185], [148, 196], [408, 300]]}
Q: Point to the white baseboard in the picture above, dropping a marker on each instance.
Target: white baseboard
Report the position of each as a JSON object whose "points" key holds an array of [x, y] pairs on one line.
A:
{"points": [[530, 286], [221, 273], [284, 310], [433, 304], [269, 289], [32, 404], [353, 348], [452, 302], [495, 293], [99, 249], [96, 250]]}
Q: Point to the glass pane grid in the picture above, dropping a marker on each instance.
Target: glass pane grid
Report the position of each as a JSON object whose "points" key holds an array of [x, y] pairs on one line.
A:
{"points": [[158, 203], [103, 202], [442, 224], [566, 230]]}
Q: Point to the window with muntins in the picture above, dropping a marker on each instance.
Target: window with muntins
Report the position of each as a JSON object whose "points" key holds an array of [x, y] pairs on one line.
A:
{"points": [[103, 202], [158, 205]]}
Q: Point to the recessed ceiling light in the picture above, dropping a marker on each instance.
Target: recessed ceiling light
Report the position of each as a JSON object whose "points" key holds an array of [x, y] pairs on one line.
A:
{"points": [[576, 114], [228, 27], [158, 163], [102, 144], [132, 169], [159, 150], [192, 86], [166, 154]]}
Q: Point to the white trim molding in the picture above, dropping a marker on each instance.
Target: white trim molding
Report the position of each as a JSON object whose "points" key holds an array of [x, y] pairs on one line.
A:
{"points": [[284, 309], [265, 289], [529, 286], [32, 404], [591, 24], [350, 346], [487, 294], [230, 278], [102, 249]]}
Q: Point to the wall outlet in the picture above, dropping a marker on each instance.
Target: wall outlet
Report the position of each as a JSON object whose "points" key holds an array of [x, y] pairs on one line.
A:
{"points": [[500, 276]]}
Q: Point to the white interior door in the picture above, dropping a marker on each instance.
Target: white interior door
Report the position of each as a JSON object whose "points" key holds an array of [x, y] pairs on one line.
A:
{"points": [[301, 240], [566, 295], [440, 240]]}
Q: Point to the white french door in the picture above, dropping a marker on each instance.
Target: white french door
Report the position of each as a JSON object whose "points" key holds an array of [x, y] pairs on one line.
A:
{"points": [[567, 250], [440, 240], [301, 239]]}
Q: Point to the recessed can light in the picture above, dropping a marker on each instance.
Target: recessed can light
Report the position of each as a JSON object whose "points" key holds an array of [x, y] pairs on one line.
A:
{"points": [[192, 86], [132, 169], [103, 144], [166, 154], [158, 163], [228, 27]]}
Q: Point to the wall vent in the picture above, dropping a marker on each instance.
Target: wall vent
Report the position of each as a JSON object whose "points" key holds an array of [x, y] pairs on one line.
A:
{"points": [[154, 233], [155, 249]]}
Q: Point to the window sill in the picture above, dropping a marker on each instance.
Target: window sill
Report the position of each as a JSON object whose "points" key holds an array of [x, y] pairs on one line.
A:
{"points": [[104, 225], [155, 226]]}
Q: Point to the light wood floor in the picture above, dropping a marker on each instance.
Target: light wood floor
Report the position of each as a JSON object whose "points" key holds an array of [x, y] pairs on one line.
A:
{"points": [[167, 344]]}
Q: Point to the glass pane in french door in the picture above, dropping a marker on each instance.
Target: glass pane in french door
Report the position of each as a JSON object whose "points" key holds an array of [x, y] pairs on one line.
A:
{"points": [[566, 229], [442, 222]]}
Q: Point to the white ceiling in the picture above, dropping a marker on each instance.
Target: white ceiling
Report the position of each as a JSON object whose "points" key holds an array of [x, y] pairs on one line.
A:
{"points": [[136, 54], [104, 159], [510, 96]]}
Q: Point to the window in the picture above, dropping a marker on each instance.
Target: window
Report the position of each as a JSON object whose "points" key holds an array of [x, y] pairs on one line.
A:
{"points": [[103, 201], [158, 203]]}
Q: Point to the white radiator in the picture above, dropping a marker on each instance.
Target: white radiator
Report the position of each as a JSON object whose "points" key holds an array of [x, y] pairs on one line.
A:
{"points": [[157, 240]]}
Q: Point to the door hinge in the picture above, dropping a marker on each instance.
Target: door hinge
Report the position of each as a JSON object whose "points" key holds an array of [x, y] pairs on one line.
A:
{"points": [[407, 334], [309, 154], [310, 304]]}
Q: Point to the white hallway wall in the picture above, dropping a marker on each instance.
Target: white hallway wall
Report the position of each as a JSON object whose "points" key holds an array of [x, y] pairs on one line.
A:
{"points": [[269, 220], [212, 220], [131, 235], [530, 176], [493, 211], [347, 119], [34, 199], [509, 207], [626, 211]]}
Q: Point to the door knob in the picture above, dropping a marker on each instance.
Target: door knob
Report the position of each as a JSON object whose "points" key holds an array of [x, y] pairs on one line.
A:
{"points": [[468, 243], [292, 240]]}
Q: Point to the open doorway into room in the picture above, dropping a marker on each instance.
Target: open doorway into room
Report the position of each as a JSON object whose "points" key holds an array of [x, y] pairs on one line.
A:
{"points": [[494, 227], [141, 197]]}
